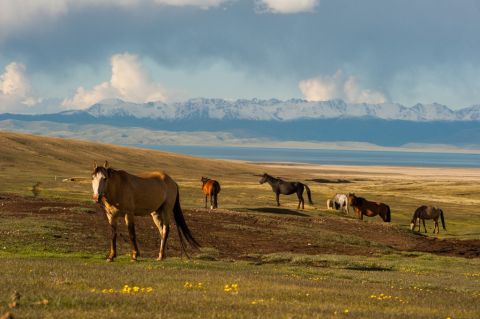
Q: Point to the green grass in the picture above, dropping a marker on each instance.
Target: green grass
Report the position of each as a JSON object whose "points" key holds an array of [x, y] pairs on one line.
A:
{"points": [[282, 288]]}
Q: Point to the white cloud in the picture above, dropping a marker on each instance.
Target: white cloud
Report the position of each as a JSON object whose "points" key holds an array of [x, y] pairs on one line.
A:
{"points": [[15, 90], [328, 87], [321, 88], [129, 82], [355, 94], [286, 6]]}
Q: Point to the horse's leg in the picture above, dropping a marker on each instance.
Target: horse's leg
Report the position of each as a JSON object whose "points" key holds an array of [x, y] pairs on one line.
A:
{"points": [[164, 230], [301, 199], [163, 244], [132, 235], [278, 198], [436, 227], [206, 200], [424, 227], [211, 200], [113, 239]]}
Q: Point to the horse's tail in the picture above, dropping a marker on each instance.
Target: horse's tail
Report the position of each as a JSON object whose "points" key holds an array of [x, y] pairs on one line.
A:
{"points": [[309, 194], [388, 217], [443, 219], [215, 191], [183, 230]]}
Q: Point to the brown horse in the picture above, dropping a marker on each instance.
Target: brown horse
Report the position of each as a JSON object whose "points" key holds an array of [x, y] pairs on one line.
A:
{"points": [[126, 195], [210, 188], [428, 212], [368, 208]]}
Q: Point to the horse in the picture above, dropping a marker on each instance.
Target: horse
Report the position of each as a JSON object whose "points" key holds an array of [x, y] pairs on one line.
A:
{"points": [[340, 202], [280, 186], [428, 212], [210, 188], [368, 208], [126, 195]]}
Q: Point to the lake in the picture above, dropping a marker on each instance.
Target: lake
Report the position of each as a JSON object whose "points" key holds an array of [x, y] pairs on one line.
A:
{"points": [[323, 156]]}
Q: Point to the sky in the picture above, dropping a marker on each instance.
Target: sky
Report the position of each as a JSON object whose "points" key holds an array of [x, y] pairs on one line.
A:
{"points": [[69, 54]]}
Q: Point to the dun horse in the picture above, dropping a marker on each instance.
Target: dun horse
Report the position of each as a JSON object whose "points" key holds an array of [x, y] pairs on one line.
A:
{"points": [[126, 195], [279, 186], [368, 208], [427, 212], [210, 188]]}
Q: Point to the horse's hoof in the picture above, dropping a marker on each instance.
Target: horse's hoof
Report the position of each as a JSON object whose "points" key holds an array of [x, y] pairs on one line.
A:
{"points": [[133, 260], [159, 258], [109, 260]]}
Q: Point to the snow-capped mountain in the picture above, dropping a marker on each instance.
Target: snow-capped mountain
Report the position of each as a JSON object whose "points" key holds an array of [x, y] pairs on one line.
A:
{"points": [[277, 110]]}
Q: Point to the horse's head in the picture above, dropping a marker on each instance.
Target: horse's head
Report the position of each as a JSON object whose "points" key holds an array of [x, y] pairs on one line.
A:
{"points": [[204, 180], [352, 199], [100, 177], [264, 178]]}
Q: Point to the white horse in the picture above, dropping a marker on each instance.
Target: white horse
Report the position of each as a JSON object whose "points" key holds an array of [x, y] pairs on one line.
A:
{"points": [[339, 202]]}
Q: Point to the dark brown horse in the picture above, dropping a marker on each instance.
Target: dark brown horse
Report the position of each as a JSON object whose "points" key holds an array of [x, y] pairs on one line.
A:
{"points": [[368, 208], [428, 212], [126, 195], [280, 186], [210, 188]]}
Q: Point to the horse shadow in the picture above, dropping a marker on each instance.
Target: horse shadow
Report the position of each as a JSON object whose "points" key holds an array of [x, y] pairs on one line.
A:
{"points": [[278, 211]]}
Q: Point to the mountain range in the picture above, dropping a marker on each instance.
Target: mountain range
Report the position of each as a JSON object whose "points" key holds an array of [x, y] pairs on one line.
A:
{"points": [[219, 120], [277, 110]]}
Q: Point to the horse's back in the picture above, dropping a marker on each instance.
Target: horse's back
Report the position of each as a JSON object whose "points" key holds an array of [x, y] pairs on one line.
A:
{"points": [[211, 186], [152, 189], [427, 212]]}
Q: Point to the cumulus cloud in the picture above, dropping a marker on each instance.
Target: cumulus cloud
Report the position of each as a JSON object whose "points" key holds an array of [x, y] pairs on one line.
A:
{"points": [[327, 87], [129, 82], [15, 92], [286, 6]]}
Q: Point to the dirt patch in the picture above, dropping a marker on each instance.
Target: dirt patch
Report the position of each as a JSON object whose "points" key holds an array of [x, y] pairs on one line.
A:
{"points": [[230, 234]]}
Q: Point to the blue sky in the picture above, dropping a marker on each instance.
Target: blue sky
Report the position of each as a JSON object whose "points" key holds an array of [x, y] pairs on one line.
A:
{"points": [[62, 54]]}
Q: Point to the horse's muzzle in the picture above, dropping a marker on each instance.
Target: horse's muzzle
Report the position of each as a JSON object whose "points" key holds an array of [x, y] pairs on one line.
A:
{"points": [[97, 198]]}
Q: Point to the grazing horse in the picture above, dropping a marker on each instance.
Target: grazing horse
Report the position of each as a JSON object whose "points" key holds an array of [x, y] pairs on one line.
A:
{"points": [[340, 202], [126, 195], [287, 188], [368, 208], [211, 188], [428, 212]]}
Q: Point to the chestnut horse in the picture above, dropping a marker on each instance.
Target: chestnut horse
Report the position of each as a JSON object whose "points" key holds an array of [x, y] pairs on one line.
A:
{"points": [[211, 188], [126, 195], [428, 212], [368, 208]]}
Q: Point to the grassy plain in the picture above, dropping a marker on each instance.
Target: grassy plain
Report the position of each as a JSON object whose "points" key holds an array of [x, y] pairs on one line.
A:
{"points": [[58, 279]]}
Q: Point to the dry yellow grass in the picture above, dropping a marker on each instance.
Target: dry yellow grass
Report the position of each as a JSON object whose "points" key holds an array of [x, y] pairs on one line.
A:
{"points": [[26, 160]]}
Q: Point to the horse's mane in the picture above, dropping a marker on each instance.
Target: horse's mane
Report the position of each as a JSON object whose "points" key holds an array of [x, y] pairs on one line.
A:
{"points": [[359, 201]]}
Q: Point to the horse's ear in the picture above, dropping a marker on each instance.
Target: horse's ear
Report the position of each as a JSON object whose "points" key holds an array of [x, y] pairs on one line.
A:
{"points": [[94, 164], [106, 164]]}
